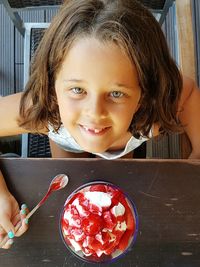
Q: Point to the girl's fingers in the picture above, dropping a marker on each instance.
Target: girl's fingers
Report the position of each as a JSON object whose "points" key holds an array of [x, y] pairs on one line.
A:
{"points": [[16, 219], [6, 240], [24, 211], [8, 229], [8, 232], [2, 237], [24, 208], [7, 225], [2, 231], [23, 228], [8, 244], [24, 222]]}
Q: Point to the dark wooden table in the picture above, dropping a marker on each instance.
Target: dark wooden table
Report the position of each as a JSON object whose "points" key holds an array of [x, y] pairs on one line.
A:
{"points": [[165, 192]]}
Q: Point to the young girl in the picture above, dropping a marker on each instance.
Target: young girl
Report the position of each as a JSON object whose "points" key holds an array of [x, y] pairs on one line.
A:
{"points": [[102, 82]]}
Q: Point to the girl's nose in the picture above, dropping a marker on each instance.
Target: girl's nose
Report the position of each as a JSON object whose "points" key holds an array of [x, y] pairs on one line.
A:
{"points": [[96, 107]]}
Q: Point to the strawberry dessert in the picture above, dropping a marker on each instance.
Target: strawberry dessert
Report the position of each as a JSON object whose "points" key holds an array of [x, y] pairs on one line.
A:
{"points": [[98, 222]]}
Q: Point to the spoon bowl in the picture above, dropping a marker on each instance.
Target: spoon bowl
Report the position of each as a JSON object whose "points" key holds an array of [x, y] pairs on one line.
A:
{"points": [[58, 182]]}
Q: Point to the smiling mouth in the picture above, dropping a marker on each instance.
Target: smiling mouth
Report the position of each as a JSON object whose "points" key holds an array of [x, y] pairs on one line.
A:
{"points": [[95, 131]]}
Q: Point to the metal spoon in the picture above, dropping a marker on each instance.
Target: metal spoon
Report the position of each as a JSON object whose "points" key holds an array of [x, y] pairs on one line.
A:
{"points": [[57, 183]]}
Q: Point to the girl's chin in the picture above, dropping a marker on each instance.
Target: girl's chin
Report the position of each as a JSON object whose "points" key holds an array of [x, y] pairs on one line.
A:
{"points": [[94, 149]]}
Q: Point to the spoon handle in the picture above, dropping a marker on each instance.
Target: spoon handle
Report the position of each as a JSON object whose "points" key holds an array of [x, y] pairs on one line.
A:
{"points": [[32, 211], [38, 205]]}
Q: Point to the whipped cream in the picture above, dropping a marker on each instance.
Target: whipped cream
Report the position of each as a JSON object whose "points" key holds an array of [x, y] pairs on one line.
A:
{"points": [[118, 210], [100, 199]]}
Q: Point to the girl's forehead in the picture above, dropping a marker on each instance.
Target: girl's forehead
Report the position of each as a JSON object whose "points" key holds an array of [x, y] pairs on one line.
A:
{"points": [[94, 47], [93, 60], [93, 41]]}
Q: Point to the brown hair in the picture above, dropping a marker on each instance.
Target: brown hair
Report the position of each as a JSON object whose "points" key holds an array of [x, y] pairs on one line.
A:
{"points": [[136, 31]]}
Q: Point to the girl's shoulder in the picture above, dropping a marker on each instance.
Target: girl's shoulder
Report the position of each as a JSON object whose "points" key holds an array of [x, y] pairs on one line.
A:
{"points": [[9, 110], [189, 85], [9, 115], [189, 88]]}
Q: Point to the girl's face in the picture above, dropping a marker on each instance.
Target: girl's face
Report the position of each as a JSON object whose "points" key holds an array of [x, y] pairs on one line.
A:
{"points": [[98, 93]]}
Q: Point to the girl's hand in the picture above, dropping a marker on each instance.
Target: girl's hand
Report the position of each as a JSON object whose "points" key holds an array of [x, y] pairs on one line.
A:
{"points": [[11, 216]]}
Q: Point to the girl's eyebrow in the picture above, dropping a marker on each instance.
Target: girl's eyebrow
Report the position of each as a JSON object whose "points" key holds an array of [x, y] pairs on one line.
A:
{"points": [[121, 85], [73, 80]]}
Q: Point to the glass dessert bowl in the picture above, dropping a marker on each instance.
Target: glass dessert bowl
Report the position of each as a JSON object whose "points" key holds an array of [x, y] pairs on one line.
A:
{"points": [[99, 222]]}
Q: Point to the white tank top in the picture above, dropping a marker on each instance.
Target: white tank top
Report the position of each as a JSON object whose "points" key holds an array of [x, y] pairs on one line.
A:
{"points": [[63, 139]]}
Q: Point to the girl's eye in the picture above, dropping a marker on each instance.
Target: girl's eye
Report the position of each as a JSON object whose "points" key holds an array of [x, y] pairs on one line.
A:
{"points": [[77, 90], [116, 94]]}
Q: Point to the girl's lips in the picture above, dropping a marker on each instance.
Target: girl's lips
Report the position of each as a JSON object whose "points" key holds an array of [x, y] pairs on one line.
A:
{"points": [[94, 131]]}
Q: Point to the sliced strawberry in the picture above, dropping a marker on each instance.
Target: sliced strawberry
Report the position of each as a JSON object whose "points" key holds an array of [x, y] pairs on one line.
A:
{"points": [[77, 195], [84, 203], [95, 245], [124, 241], [121, 218], [95, 209], [98, 187], [88, 241], [66, 230], [75, 221], [92, 224], [109, 220], [130, 221], [82, 210], [88, 251], [118, 234], [99, 237], [78, 234], [116, 198], [110, 189], [65, 223], [73, 210], [110, 248], [103, 238], [67, 241]]}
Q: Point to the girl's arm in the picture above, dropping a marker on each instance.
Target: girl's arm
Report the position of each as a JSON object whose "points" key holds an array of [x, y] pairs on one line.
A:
{"points": [[9, 111], [3, 187], [190, 114]]}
